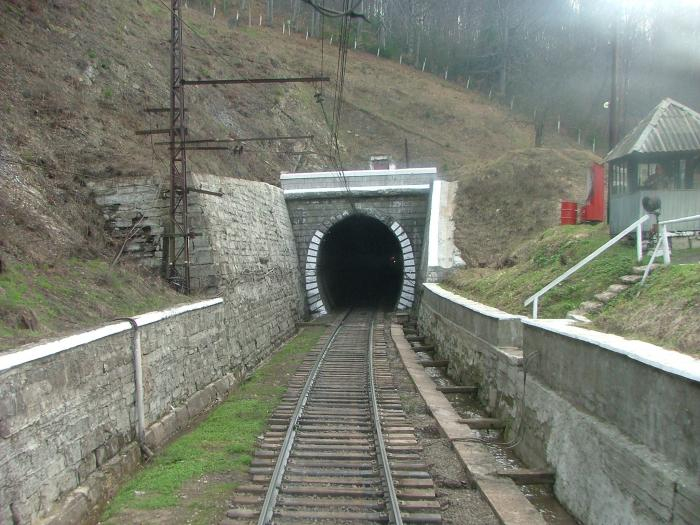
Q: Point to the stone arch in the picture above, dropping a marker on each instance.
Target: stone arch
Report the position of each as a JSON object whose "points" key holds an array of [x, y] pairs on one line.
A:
{"points": [[313, 292]]}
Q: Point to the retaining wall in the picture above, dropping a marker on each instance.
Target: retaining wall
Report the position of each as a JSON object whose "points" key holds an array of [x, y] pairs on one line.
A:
{"points": [[618, 420], [67, 417]]}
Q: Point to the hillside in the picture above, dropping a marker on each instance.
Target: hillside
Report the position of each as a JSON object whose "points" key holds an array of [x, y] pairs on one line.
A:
{"points": [[663, 311], [78, 75]]}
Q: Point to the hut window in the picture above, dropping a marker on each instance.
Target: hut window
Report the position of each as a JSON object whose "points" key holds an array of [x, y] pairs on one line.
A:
{"points": [[646, 175], [619, 178]]}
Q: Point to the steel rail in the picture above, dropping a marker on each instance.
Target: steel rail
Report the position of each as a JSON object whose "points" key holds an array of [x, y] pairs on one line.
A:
{"points": [[273, 488], [393, 502]]}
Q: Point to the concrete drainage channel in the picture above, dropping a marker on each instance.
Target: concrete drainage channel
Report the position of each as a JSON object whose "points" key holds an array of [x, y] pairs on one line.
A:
{"points": [[516, 494]]}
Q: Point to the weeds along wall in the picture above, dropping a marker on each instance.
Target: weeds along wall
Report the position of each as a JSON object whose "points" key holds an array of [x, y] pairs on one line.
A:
{"points": [[67, 417], [617, 420]]}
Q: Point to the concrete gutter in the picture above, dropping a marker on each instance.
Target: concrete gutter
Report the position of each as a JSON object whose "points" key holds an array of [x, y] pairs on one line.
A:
{"points": [[502, 494]]}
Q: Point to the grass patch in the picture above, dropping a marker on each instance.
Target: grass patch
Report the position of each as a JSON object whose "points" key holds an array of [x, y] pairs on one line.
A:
{"points": [[223, 443], [664, 311], [74, 294], [540, 262]]}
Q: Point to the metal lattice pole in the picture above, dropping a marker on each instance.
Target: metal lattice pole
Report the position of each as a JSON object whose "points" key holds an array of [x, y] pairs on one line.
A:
{"points": [[177, 271]]}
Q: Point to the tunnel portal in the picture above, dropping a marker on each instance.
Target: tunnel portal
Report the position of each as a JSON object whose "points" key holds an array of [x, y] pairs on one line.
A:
{"points": [[360, 264]]}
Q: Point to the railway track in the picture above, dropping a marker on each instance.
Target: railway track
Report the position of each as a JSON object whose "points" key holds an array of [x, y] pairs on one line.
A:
{"points": [[339, 448]]}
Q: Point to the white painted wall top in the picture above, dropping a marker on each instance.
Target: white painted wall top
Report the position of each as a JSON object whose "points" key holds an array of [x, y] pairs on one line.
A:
{"points": [[19, 357], [472, 305], [667, 360], [358, 173], [357, 179], [658, 357], [406, 188]]}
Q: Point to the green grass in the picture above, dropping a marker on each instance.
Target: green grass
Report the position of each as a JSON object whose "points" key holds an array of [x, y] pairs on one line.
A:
{"points": [[224, 442], [665, 310], [540, 262], [72, 295]]}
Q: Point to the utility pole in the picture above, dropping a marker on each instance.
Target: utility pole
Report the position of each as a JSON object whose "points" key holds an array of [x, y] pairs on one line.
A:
{"points": [[270, 11], [615, 84], [176, 242], [175, 265]]}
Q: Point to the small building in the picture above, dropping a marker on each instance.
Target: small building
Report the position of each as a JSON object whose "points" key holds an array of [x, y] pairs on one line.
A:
{"points": [[660, 158]]}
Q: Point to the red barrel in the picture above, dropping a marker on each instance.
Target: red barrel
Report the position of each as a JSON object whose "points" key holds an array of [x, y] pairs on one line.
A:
{"points": [[569, 212]]}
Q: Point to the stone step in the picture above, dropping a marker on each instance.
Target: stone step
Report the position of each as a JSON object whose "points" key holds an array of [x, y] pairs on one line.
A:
{"points": [[630, 279], [617, 288], [605, 297], [590, 306], [576, 315], [639, 270]]}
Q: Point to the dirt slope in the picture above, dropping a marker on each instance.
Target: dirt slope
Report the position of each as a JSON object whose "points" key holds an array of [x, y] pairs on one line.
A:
{"points": [[514, 198], [77, 76]]}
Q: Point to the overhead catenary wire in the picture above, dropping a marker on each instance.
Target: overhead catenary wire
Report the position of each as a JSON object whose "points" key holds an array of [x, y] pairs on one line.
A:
{"points": [[333, 124], [348, 11]]}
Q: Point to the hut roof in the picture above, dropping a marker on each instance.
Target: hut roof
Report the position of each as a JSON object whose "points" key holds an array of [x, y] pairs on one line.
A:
{"points": [[670, 127]]}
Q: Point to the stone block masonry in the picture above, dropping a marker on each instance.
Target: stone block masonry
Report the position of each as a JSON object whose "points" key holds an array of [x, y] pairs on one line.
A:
{"points": [[67, 419], [405, 214], [617, 420]]}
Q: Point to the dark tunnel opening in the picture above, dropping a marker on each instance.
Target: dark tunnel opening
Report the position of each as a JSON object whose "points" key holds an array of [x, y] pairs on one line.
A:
{"points": [[360, 264]]}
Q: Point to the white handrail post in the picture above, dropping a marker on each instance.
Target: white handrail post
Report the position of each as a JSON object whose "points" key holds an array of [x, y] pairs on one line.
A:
{"points": [[639, 243], [534, 307], [667, 250]]}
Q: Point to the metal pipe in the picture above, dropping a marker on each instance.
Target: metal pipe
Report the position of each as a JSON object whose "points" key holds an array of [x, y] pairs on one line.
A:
{"points": [[138, 386]]}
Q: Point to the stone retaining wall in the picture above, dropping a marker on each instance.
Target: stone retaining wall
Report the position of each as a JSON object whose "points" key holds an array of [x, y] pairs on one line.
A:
{"points": [[618, 420], [67, 419]]}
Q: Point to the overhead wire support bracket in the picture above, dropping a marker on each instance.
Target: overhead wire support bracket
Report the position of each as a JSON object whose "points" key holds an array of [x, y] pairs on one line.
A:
{"points": [[246, 139], [220, 81]]}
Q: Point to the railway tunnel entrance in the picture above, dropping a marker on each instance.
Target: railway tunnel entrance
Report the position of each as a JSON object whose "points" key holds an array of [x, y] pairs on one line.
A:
{"points": [[360, 263]]}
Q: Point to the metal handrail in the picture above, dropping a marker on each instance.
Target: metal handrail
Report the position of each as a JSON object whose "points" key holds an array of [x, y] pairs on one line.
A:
{"points": [[534, 299], [666, 250]]}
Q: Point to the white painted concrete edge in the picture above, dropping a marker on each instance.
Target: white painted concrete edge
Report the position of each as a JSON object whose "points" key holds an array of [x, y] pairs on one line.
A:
{"points": [[650, 354], [471, 305], [16, 358], [357, 173], [434, 229], [359, 189]]}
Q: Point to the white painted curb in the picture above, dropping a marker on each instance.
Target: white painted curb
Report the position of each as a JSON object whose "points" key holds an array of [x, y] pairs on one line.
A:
{"points": [[12, 359]]}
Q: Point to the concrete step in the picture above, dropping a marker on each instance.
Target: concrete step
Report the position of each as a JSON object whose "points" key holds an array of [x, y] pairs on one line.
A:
{"points": [[630, 279], [458, 389], [478, 423], [526, 476]]}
